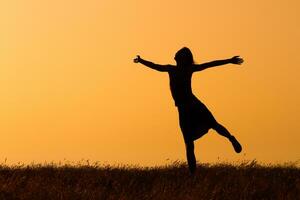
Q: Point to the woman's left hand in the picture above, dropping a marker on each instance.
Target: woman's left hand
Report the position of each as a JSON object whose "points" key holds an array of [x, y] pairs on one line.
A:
{"points": [[137, 59]]}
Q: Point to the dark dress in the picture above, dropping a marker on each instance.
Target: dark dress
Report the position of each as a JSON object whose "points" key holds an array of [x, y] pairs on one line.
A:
{"points": [[194, 117]]}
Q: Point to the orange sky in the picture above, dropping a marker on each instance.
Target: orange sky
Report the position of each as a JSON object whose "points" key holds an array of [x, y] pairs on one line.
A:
{"points": [[69, 88]]}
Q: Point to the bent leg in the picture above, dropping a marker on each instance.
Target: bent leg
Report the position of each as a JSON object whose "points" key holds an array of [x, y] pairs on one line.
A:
{"points": [[224, 132], [189, 145]]}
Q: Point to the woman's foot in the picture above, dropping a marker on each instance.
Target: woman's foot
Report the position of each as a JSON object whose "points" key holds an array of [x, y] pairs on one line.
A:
{"points": [[236, 145]]}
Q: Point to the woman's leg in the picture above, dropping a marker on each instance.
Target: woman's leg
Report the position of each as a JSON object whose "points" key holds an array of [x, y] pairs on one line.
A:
{"points": [[224, 132], [189, 145], [185, 126]]}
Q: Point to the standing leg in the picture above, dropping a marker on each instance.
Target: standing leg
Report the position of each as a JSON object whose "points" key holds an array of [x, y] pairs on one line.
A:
{"points": [[189, 145], [224, 132]]}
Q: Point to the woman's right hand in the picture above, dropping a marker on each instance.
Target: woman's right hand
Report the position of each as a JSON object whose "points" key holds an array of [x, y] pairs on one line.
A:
{"points": [[137, 59], [236, 60]]}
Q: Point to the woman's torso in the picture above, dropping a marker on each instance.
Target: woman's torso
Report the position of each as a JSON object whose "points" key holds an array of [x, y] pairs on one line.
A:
{"points": [[181, 86]]}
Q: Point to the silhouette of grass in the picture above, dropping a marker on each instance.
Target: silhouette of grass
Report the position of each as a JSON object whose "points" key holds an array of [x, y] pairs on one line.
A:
{"points": [[245, 180]]}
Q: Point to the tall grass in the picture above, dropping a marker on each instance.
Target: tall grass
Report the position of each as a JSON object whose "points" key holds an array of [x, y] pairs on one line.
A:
{"points": [[245, 180]]}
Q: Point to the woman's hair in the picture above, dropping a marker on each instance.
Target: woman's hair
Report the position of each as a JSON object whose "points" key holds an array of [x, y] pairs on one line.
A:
{"points": [[184, 56]]}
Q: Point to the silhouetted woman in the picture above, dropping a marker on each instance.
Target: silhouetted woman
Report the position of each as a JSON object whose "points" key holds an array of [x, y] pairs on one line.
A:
{"points": [[194, 118]]}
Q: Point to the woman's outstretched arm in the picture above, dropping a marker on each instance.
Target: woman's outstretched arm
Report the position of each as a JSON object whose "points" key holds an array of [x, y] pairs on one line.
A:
{"points": [[161, 68], [234, 60]]}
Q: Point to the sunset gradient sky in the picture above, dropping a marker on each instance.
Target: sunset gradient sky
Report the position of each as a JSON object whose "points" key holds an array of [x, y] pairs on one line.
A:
{"points": [[69, 88]]}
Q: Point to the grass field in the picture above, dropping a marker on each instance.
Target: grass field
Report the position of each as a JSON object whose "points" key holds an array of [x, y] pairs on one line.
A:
{"points": [[246, 180]]}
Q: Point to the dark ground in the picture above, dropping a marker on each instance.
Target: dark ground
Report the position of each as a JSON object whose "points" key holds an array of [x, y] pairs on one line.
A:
{"points": [[247, 180]]}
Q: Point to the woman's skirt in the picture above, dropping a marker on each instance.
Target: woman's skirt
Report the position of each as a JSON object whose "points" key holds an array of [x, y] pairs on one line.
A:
{"points": [[195, 120]]}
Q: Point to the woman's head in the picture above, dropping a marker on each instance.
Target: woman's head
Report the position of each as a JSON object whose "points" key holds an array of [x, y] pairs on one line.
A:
{"points": [[184, 57]]}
